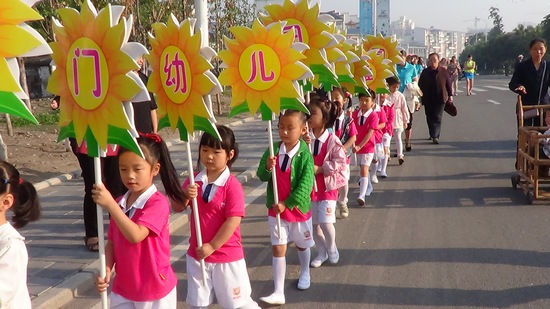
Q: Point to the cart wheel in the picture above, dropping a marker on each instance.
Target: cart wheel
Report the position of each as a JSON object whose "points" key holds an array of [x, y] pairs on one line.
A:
{"points": [[529, 197], [514, 180]]}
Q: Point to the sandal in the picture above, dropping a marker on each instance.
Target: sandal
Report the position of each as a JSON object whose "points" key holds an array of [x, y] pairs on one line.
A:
{"points": [[92, 243]]}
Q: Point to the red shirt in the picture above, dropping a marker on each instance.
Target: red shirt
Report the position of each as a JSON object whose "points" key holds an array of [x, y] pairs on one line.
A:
{"points": [[371, 123]]}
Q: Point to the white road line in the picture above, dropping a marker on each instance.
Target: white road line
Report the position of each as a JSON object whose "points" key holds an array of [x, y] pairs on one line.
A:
{"points": [[254, 194], [494, 102], [478, 89], [497, 88]]}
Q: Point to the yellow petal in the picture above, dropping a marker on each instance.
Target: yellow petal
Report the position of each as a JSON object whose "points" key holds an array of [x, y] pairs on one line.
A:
{"points": [[15, 41], [123, 87], [8, 84], [15, 12]]}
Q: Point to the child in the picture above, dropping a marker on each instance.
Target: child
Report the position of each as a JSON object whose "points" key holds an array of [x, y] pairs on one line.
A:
{"points": [[220, 200], [378, 135], [366, 122], [293, 164], [330, 162], [401, 118], [20, 196], [345, 130], [139, 233], [387, 133]]}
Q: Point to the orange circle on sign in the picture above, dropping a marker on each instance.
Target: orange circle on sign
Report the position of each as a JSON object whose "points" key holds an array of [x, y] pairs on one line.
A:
{"points": [[87, 73], [259, 67], [175, 74]]}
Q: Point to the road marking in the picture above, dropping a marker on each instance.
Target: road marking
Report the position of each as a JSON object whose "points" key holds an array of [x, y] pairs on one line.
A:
{"points": [[494, 102], [478, 89], [254, 194], [498, 88]]}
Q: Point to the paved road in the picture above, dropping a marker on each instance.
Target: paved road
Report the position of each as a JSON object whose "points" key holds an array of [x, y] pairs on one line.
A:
{"points": [[444, 230]]}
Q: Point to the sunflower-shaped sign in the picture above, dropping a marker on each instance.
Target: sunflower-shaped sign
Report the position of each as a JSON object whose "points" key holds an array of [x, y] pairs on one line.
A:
{"points": [[342, 57], [381, 69], [181, 77], [262, 67], [18, 40], [359, 69], [309, 28], [95, 74], [386, 47]]}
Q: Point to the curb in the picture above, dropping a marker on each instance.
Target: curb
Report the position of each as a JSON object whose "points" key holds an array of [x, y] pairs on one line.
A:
{"points": [[68, 289]]}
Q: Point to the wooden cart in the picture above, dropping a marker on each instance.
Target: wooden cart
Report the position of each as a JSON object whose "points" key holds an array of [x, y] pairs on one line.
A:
{"points": [[532, 165]]}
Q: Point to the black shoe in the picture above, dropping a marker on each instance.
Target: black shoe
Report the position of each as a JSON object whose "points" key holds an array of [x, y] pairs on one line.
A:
{"points": [[435, 141], [401, 161], [408, 147]]}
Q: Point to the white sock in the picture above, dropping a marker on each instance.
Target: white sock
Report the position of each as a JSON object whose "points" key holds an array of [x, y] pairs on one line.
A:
{"points": [[384, 162], [319, 241], [304, 257], [343, 195], [374, 168], [279, 271], [369, 187], [363, 184], [330, 236]]}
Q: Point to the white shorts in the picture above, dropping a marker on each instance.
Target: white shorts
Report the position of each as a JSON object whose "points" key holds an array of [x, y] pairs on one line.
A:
{"points": [[378, 151], [386, 140], [365, 158], [228, 282], [119, 302], [323, 212], [297, 232]]}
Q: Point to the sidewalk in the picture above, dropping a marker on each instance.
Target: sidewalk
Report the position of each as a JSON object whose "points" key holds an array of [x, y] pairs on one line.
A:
{"points": [[59, 263]]}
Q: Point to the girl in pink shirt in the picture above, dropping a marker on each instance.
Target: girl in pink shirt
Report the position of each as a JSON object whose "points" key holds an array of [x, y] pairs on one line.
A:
{"points": [[329, 161], [401, 118], [220, 200], [366, 121], [345, 130], [387, 107], [138, 246]]}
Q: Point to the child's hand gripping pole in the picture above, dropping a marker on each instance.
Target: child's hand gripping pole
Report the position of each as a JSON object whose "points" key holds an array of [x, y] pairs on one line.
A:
{"points": [[195, 207], [274, 177], [100, 233]]}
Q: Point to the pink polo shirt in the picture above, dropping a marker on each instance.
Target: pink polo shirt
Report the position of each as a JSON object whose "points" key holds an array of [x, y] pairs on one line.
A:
{"points": [[371, 123], [143, 271], [378, 133], [322, 194], [227, 201], [388, 109]]}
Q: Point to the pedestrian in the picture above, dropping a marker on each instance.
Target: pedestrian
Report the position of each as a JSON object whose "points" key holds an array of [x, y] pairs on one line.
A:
{"points": [[138, 244], [519, 60], [435, 84], [294, 166], [409, 88], [345, 129], [469, 72], [407, 73], [454, 70], [401, 115], [20, 197], [531, 80], [329, 161], [220, 201], [378, 139], [366, 121], [145, 112], [387, 133]]}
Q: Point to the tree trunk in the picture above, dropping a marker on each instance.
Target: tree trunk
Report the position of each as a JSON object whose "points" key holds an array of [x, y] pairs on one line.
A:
{"points": [[8, 125], [219, 104], [23, 82], [3, 150]]}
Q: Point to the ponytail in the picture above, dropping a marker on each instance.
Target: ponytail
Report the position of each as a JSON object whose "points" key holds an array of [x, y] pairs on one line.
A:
{"points": [[26, 207]]}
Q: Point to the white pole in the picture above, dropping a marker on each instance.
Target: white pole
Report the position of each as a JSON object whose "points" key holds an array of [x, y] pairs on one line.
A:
{"points": [[100, 233], [195, 206], [201, 13], [274, 176], [374, 17]]}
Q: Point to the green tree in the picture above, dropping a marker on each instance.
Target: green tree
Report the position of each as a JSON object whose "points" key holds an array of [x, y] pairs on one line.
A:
{"points": [[545, 28], [498, 27]]}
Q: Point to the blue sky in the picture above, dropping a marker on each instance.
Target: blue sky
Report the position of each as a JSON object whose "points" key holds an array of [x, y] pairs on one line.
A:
{"points": [[453, 14]]}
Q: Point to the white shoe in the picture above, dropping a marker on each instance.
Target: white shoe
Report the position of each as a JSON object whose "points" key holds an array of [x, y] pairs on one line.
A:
{"points": [[303, 283], [369, 191], [374, 179], [333, 257], [273, 299], [344, 211], [318, 261], [383, 174], [360, 201]]}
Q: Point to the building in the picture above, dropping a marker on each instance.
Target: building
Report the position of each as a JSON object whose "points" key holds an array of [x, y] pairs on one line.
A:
{"points": [[366, 17], [423, 41]]}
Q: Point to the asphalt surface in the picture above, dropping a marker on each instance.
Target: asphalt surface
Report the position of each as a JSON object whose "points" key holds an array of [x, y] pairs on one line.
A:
{"points": [[444, 230]]}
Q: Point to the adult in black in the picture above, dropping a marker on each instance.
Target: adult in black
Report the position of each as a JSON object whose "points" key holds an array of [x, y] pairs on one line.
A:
{"points": [[145, 113], [531, 79], [436, 87]]}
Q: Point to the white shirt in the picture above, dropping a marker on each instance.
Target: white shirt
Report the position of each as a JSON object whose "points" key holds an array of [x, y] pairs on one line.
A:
{"points": [[291, 153], [13, 269], [322, 139], [139, 203], [220, 182]]}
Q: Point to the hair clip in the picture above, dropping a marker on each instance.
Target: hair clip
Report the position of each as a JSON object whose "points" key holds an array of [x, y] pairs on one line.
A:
{"points": [[4, 181], [155, 137]]}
